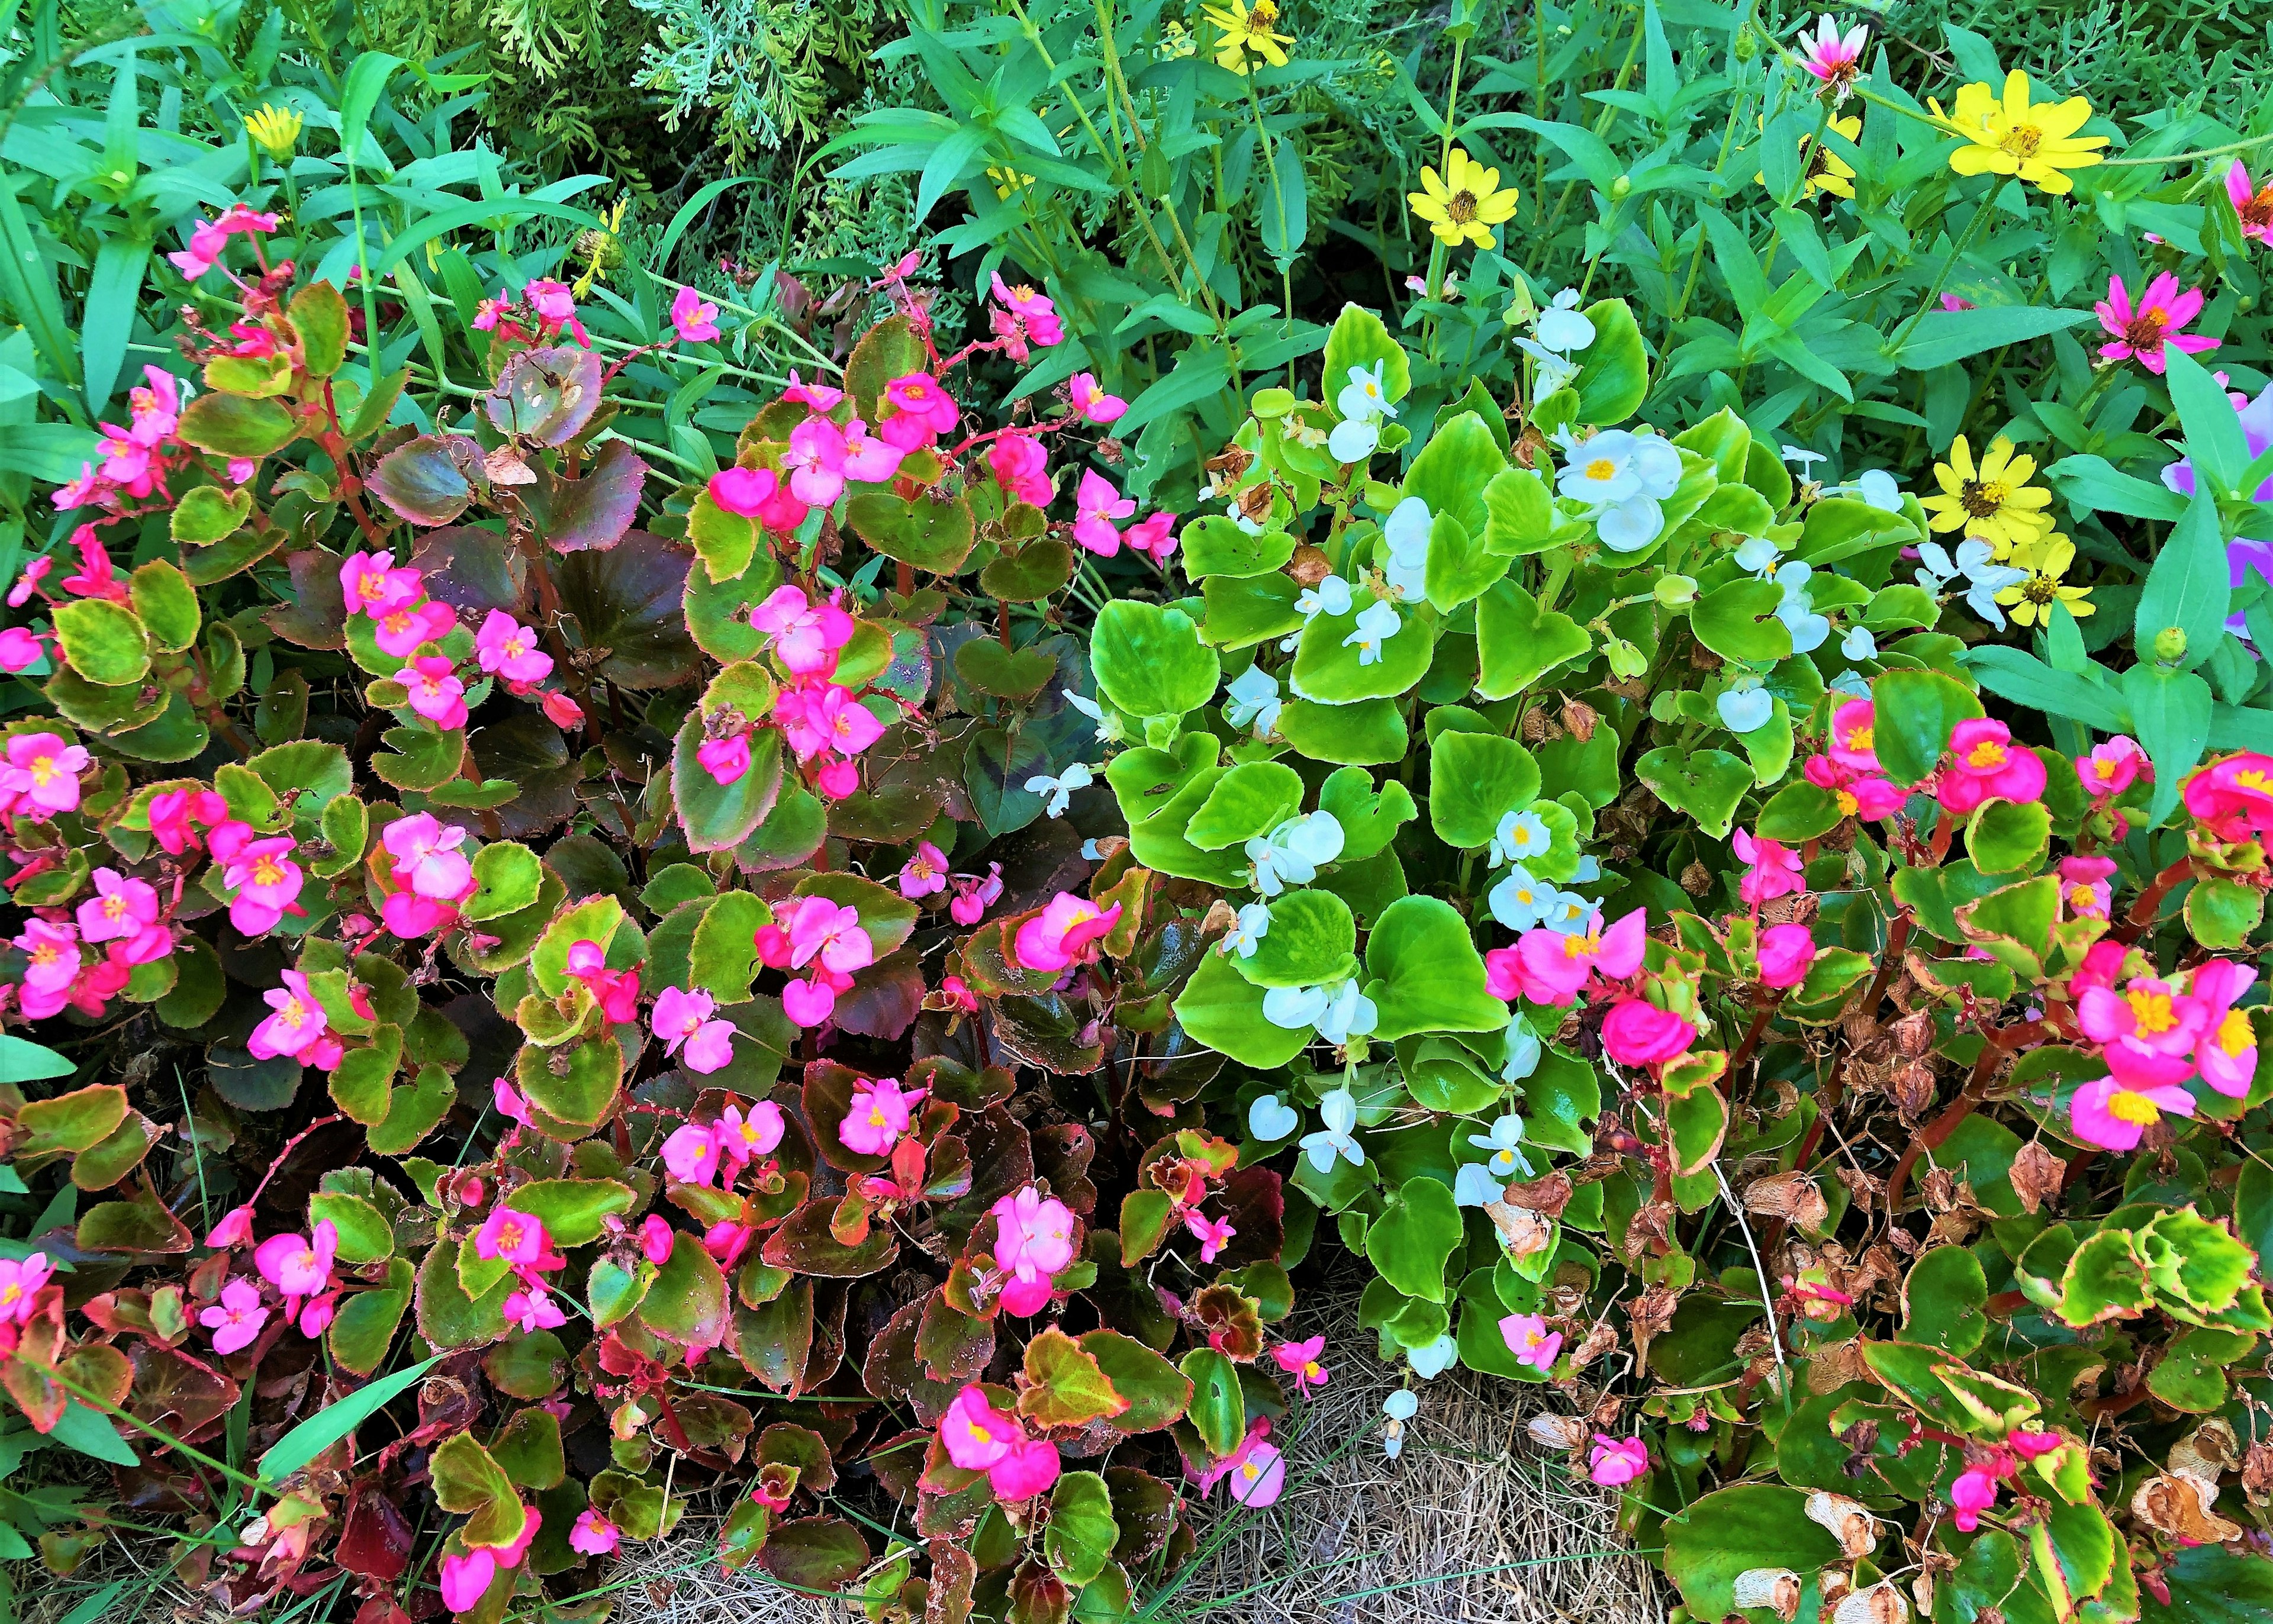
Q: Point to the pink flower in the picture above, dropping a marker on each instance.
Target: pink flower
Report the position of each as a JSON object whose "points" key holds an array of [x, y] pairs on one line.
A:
{"points": [[120, 908], [556, 308], [1637, 1032], [744, 491], [236, 1320], [234, 1230], [511, 1104], [411, 916], [1154, 536], [1615, 1462], [466, 1579], [2233, 797], [684, 1017], [1259, 1477], [402, 631], [1213, 1234], [505, 648], [1859, 794], [656, 1239], [1786, 951], [726, 1240], [1096, 505], [298, 1265], [1528, 1337], [2255, 207], [20, 650], [532, 1309], [2034, 1446], [815, 462], [745, 1138], [1852, 728], [371, 585], [561, 711], [173, 817], [829, 933], [1300, 1360], [918, 400], [1030, 314], [1504, 976], [868, 460], [617, 991], [35, 572], [806, 635], [1031, 1468], [53, 952], [811, 1000], [1062, 932], [924, 874], [2084, 887], [1092, 403], [298, 1020], [2111, 767], [594, 1534], [2147, 1030], [973, 897], [1951, 302], [2113, 1117], [1033, 1235], [1987, 765], [691, 1153], [264, 881], [1830, 56], [19, 1286], [819, 396], [697, 322], [436, 693], [1559, 966], [514, 1236], [430, 857], [1773, 869], [2140, 332], [726, 760], [210, 237], [2226, 1051], [1020, 464], [879, 1112], [1973, 1493], [42, 771], [977, 1436], [957, 994], [841, 722]]}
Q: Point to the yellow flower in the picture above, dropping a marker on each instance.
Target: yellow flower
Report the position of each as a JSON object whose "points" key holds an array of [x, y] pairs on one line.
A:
{"points": [[1248, 28], [2047, 562], [1826, 170], [1008, 180], [277, 130], [1994, 501], [2009, 137], [1464, 204], [603, 250]]}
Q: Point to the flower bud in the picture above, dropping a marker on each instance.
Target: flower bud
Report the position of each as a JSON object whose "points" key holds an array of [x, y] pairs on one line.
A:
{"points": [[2171, 643], [1621, 189], [1748, 43], [1673, 591]]}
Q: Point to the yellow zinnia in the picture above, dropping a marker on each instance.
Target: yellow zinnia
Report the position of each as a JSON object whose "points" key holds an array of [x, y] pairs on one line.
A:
{"points": [[1464, 204], [1248, 28], [1826, 170], [1994, 501], [2047, 562], [277, 130], [2009, 137]]}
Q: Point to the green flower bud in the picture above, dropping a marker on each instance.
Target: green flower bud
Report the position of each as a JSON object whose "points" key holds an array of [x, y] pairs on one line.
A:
{"points": [[1748, 43], [1621, 189], [1673, 591], [2171, 643]]}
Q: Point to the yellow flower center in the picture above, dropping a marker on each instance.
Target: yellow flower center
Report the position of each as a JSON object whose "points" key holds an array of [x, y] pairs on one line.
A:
{"points": [[398, 622], [1847, 804], [114, 906], [1582, 946], [1982, 500], [2235, 1034], [514, 648], [43, 770], [294, 1013], [2105, 769], [2022, 140], [10, 1292], [2042, 588], [2151, 1013], [1988, 752], [1260, 20], [2126, 1106], [508, 1237], [2254, 778], [1312, 1370], [1081, 915], [267, 872], [44, 955], [875, 1115], [1249, 1471], [2081, 897], [1460, 210]]}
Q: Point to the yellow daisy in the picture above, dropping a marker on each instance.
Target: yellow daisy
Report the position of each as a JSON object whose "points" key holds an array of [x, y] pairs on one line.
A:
{"points": [[1826, 170], [277, 130], [2009, 137], [2047, 562], [1248, 28], [1464, 203], [1994, 501]]}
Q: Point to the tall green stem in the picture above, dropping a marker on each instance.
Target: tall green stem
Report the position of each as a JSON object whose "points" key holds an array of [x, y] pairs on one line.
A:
{"points": [[1957, 251]]}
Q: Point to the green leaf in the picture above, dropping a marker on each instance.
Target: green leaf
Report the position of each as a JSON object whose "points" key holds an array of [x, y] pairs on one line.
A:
{"points": [[1367, 734], [1426, 974], [1734, 1530], [365, 1235], [235, 425], [320, 316], [1212, 544], [1738, 621], [1082, 1533], [90, 1432], [1459, 567], [2191, 1374], [1614, 370], [320, 1431], [1064, 1386], [1706, 784], [1369, 816], [1942, 1299], [1454, 469], [937, 536], [1411, 1242], [364, 1327], [718, 816], [2186, 591], [1150, 661], [1223, 1010], [1331, 669], [208, 514], [508, 877], [572, 1210], [722, 960], [1916, 712], [1519, 642], [1219, 1409], [2171, 714], [1474, 780], [1252, 799], [1360, 339], [103, 641], [1940, 337], [2002, 836], [687, 1302], [1311, 941]]}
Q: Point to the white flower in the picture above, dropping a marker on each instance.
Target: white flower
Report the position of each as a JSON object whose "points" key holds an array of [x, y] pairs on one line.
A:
{"points": [[1091, 852], [1398, 1407], [1354, 439], [1338, 1111], [1519, 902], [1561, 327], [1587, 871], [1601, 467], [1349, 1014], [1405, 533], [1520, 835], [1858, 644], [1808, 629], [1110, 730], [1553, 371], [1268, 1119], [1292, 1008], [1877, 487], [1523, 1051], [1330, 596], [1804, 457], [1060, 789], [1745, 704], [1365, 395], [1625, 476], [1851, 684], [1252, 698], [1254, 923], [1758, 556], [1374, 626], [1434, 1361], [1502, 1141], [1569, 914], [1293, 851], [1976, 561]]}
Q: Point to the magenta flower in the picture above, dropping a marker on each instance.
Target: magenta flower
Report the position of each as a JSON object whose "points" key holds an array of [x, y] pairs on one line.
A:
{"points": [[879, 1112], [429, 857], [2147, 1030], [920, 399], [924, 874], [745, 1138], [1973, 1493], [402, 631], [1528, 1337], [436, 693], [1615, 1462], [1830, 56], [1853, 730], [977, 1436], [1987, 765], [533, 1309], [236, 1320], [42, 771], [210, 237], [120, 908], [52, 951], [298, 1265], [973, 897], [594, 1534], [1092, 403], [512, 1104], [2111, 767], [1785, 953], [2085, 887], [1062, 932], [297, 1022], [556, 308], [829, 933], [1859, 794], [1096, 505], [1021, 465], [1029, 311], [505, 648], [806, 635], [815, 462], [697, 321], [727, 759], [514, 1236], [744, 491], [2255, 207], [848, 726], [656, 1239], [561, 711], [691, 1153], [1033, 1241], [2107, 1114], [1772, 868], [2227, 1049], [817, 396], [371, 585], [234, 1230], [19, 1286], [1213, 1234], [1637, 1032], [617, 991], [265, 881], [868, 460], [2141, 330], [1300, 1360], [466, 1579], [811, 1000], [20, 650], [1560, 965], [1259, 1476], [684, 1017], [174, 814], [413, 916], [1155, 536]]}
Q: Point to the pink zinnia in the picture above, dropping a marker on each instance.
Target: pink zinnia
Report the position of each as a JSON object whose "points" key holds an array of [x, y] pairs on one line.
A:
{"points": [[1830, 56], [2141, 330]]}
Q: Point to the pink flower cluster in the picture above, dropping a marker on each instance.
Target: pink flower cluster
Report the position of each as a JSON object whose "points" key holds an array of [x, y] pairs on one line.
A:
{"points": [[1850, 770], [521, 1240], [2233, 797], [545, 310], [209, 238], [435, 871], [2154, 1034], [1547, 968], [695, 1153], [1033, 1243], [132, 463], [1021, 315], [299, 1267], [1975, 1491], [824, 722], [978, 1437], [826, 941], [405, 620]]}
